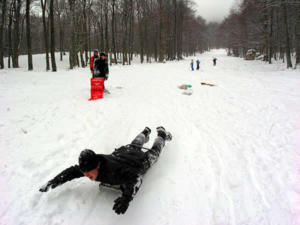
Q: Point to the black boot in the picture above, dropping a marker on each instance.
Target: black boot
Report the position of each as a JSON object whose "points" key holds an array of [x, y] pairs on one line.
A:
{"points": [[161, 132], [146, 132]]}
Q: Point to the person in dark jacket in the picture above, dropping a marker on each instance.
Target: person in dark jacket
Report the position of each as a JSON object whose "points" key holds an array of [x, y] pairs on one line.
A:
{"points": [[192, 65], [101, 69], [123, 169], [198, 64], [215, 61], [101, 66]]}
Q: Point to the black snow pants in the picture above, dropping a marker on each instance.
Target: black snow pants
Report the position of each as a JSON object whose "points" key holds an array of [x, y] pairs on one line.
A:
{"points": [[151, 154]]}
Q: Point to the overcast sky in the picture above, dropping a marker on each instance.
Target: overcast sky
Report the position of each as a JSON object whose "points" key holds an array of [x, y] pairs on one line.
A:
{"points": [[214, 10]]}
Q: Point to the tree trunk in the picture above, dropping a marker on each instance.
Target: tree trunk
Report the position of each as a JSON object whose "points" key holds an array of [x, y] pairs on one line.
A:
{"points": [[175, 30], [160, 32], [82, 59], [52, 36], [101, 30], [28, 34], [113, 31], [131, 32], [16, 38], [297, 37], [106, 27], [45, 28], [1, 34], [60, 26], [146, 44], [89, 32], [86, 36], [61, 40], [270, 41], [287, 37], [180, 31], [141, 36], [72, 59], [10, 21], [125, 32]]}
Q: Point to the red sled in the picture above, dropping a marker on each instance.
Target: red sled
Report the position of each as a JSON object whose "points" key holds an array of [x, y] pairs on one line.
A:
{"points": [[97, 88]]}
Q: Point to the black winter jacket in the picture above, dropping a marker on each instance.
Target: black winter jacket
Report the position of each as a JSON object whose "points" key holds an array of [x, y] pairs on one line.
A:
{"points": [[100, 68], [124, 167]]}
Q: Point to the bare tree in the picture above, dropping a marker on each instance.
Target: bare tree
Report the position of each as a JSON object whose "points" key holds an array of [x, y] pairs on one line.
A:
{"points": [[270, 37], [9, 31], [72, 50], [130, 31], [60, 8], [161, 32], [28, 33], [113, 27], [268, 26], [106, 25], [175, 36], [45, 28], [287, 35], [16, 30], [3, 12], [297, 35], [52, 35], [140, 30], [153, 29]]}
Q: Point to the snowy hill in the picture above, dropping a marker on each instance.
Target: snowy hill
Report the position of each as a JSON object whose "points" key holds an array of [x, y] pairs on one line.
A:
{"points": [[234, 158]]}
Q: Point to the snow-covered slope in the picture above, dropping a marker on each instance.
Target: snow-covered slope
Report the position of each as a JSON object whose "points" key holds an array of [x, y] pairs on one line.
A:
{"points": [[234, 158]]}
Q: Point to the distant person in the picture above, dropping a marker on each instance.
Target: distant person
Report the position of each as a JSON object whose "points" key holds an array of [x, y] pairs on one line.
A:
{"points": [[198, 64], [101, 68], [192, 65], [95, 56], [215, 61], [122, 170]]}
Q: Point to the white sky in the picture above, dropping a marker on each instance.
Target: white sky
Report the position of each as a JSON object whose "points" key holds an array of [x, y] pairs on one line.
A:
{"points": [[214, 10]]}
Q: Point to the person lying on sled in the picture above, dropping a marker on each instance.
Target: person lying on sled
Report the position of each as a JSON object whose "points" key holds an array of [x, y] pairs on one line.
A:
{"points": [[122, 169]]}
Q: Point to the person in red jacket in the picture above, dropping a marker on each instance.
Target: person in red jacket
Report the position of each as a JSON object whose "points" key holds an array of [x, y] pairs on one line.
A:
{"points": [[95, 56]]}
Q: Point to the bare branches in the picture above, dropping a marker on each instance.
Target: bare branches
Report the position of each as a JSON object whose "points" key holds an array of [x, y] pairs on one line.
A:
{"points": [[269, 26], [153, 29]]}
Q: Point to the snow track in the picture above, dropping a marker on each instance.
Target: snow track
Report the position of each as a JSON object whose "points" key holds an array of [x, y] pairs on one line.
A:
{"points": [[234, 158]]}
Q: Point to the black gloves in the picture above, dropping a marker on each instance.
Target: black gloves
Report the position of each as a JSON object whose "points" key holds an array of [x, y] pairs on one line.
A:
{"points": [[46, 187], [121, 205]]}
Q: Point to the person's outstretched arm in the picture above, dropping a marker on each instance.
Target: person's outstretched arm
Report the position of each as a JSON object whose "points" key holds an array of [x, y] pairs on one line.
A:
{"points": [[128, 192], [65, 176]]}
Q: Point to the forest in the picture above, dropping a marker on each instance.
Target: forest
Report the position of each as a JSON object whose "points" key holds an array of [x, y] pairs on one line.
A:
{"points": [[153, 30]]}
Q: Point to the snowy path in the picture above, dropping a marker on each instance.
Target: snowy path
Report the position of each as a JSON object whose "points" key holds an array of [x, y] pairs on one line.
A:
{"points": [[234, 159]]}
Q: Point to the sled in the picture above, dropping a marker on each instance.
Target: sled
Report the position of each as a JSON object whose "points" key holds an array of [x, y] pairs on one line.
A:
{"points": [[188, 92], [97, 88], [103, 186], [185, 86], [187, 89]]}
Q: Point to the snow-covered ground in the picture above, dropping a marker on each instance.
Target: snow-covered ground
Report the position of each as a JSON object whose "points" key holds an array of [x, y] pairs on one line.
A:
{"points": [[234, 158]]}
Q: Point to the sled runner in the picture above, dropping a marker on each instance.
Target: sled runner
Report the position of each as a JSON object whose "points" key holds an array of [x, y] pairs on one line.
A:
{"points": [[109, 187]]}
